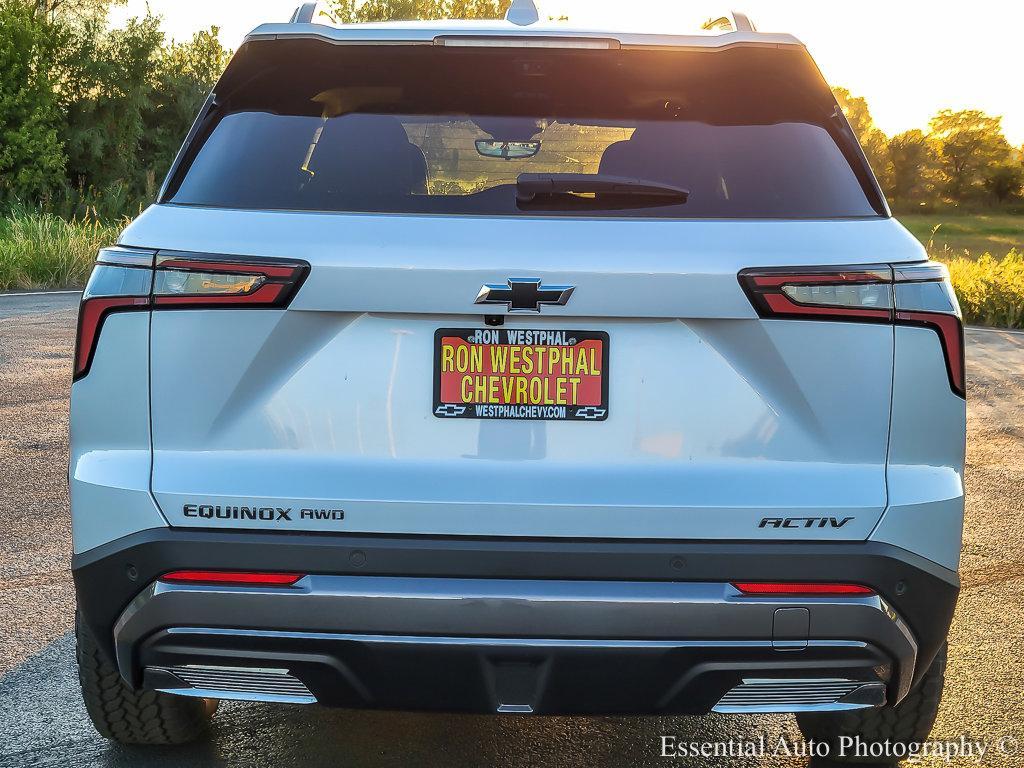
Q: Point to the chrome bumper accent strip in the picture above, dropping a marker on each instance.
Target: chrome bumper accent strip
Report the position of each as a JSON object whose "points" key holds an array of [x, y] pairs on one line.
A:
{"points": [[770, 695], [241, 683]]}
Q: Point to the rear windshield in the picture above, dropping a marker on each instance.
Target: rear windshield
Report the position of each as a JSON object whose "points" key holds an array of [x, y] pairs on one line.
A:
{"points": [[744, 133]]}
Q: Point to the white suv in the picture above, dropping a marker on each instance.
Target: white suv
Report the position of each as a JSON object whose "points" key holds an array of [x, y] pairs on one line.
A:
{"points": [[507, 367]]}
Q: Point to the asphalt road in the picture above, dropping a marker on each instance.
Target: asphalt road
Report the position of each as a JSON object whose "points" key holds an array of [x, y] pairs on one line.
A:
{"points": [[43, 722]]}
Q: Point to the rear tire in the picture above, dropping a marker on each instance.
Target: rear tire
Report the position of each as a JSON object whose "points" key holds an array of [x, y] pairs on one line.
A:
{"points": [[908, 723], [134, 717]]}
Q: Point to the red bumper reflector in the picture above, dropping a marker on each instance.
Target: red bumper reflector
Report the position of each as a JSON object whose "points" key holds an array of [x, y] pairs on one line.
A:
{"points": [[769, 588], [237, 578]]}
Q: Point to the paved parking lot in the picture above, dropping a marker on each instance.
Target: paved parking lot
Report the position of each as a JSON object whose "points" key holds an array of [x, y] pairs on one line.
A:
{"points": [[43, 723]]}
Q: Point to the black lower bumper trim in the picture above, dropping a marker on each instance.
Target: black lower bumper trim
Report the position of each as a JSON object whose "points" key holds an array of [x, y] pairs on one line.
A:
{"points": [[109, 577], [478, 675]]}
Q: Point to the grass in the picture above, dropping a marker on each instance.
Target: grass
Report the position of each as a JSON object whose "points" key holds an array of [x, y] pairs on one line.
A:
{"points": [[967, 235], [990, 290], [988, 284], [45, 251]]}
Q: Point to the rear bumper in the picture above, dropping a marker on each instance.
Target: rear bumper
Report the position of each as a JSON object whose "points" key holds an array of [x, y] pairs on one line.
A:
{"points": [[486, 645], [540, 626]]}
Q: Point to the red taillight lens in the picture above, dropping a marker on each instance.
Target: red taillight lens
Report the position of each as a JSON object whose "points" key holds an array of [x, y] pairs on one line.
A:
{"points": [[233, 578], [121, 281], [133, 279], [919, 294], [770, 589], [925, 297], [90, 321], [840, 293], [187, 280]]}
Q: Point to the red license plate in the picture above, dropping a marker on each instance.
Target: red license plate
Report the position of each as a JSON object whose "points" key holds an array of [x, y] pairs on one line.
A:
{"points": [[513, 373]]}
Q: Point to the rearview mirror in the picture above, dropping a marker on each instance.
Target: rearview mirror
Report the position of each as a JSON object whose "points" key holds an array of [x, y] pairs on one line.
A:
{"points": [[509, 150]]}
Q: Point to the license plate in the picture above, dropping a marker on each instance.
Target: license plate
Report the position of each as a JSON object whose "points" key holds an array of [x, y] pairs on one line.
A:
{"points": [[511, 373]]}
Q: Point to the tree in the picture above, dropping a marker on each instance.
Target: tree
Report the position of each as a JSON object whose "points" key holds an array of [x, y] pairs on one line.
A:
{"points": [[31, 159], [477, 9], [349, 11], [1005, 181], [105, 88], [72, 10], [870, 136], [91, 116], [969, 142], [183, 75], [911, 167]]}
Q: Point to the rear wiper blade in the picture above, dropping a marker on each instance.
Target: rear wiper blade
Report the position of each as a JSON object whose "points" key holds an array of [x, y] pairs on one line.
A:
{"points": [[536, 187]]}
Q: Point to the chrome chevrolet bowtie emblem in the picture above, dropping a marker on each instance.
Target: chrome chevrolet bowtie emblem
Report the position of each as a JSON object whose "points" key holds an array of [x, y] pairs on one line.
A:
{"points": [[525, 294]]}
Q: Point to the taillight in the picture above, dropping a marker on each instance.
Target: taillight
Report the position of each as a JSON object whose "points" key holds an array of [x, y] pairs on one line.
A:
{"points": [[788, 589], [127, 279], [844, 293], [925, 297], [233, 578], [185, 279], [917, 294], [121, 281]]}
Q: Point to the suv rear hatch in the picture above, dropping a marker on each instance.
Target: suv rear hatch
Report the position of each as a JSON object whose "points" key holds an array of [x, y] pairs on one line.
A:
{"points": [[383, 398]]}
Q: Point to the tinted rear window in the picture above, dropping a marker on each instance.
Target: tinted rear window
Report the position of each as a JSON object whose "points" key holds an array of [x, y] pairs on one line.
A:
{"points": [[750, 133]]}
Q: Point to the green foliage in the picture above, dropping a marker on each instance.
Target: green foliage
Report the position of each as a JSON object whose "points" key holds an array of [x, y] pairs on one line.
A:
{"points": [[952, 233], [73, 11], [90, 117], [1004, 181], [106, 88], [44, 250], [990, 290], [183, 74], [871, 138], [31, 155], [350, 11], [963, 160], [911, 168], [968, 143]]}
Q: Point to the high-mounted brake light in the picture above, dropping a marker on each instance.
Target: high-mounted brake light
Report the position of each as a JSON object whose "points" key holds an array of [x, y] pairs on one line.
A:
{"points": [[127, 279], [917, 294], [233, 578], [771, 589], [522, 41]]}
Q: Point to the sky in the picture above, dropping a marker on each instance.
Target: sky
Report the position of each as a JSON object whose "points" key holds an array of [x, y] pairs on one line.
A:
{"points": [[909, 58]]}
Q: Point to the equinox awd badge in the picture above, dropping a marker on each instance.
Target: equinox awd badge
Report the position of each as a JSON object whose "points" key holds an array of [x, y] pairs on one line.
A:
{"points": [[524, 294]]}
